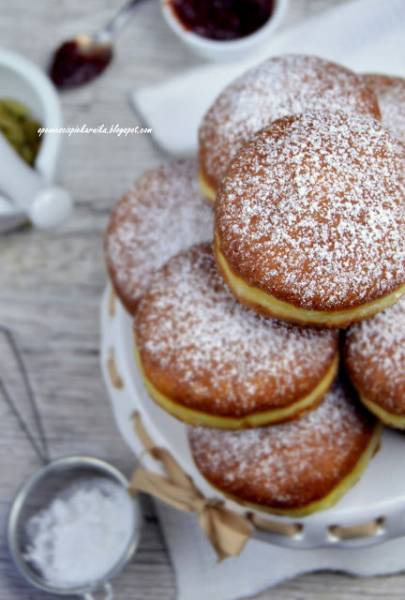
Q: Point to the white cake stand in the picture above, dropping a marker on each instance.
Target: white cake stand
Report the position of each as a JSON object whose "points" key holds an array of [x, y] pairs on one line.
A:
{"points": [[372, 512]]}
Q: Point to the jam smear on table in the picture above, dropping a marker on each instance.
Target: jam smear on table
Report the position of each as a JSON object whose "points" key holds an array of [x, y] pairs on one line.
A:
{"points": [[76, 63], [222, 19]]}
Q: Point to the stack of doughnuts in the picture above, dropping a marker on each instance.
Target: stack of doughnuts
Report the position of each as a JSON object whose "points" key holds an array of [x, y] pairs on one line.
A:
{"points": [[250, 272]]}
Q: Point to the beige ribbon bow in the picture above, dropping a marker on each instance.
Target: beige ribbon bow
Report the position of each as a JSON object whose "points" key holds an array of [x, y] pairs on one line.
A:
{"points": [[227, 531]]}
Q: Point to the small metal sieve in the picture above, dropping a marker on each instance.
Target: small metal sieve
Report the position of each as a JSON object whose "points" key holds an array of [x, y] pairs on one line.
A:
{"points": [[36, 494]]}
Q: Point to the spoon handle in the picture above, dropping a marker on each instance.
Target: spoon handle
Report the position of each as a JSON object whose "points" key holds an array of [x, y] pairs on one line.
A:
{"points": [[119, 20]]}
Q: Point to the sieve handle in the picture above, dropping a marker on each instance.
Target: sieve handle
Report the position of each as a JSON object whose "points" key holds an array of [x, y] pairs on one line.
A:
{"points": [[108, 593], [42, 449]]}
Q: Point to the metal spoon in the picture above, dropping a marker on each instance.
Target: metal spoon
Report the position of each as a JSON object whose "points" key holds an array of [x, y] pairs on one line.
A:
{"points": [[85, 57]]}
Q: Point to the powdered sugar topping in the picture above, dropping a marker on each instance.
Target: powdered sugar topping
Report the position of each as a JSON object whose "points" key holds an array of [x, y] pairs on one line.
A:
{"points": [[189, 324], [390, 92], [280, 86], [312, 211], [376, 355], [162, 214], [282, 463]]}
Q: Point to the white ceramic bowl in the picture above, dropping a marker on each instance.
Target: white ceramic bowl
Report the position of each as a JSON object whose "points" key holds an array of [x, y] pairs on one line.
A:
{"points": [[23, 80], [224, 50]]}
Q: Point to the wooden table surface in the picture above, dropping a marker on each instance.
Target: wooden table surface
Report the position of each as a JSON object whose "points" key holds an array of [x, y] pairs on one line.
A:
{"points": [[50, 284]]}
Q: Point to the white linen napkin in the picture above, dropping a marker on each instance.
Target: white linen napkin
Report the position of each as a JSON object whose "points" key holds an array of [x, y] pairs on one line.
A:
{"points": [[364, 35], [200, 577]]}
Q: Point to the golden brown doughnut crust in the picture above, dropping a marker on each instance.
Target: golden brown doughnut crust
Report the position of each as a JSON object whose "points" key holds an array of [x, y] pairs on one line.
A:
{"points": [[375, 358], [290, 465], [205, 351], [276, 88], [161, 215], [312, 212], [390, 93]]}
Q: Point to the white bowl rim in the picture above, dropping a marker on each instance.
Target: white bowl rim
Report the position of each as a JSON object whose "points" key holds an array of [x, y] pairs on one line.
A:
{"points": [[226, 46]]}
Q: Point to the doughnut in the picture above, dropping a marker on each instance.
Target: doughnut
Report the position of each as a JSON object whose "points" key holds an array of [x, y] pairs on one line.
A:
{"points": [[390, 93], [310, 220], [276, 88], [375, 361], [294, 468], [161, 215], [208, 360]]}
